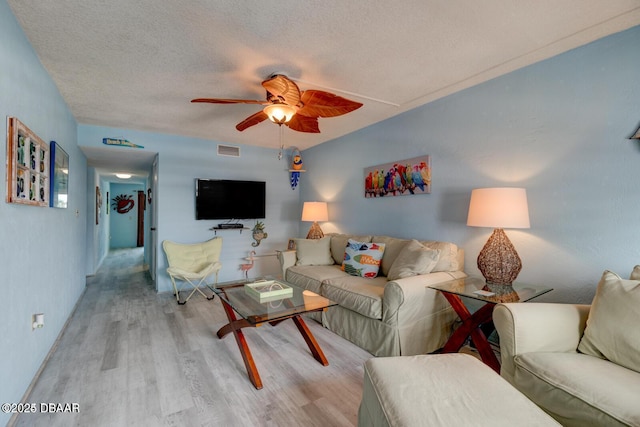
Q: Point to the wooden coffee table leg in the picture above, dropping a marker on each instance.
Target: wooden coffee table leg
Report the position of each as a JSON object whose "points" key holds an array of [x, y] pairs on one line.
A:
{"points": [[310, 340], [235, 325]]}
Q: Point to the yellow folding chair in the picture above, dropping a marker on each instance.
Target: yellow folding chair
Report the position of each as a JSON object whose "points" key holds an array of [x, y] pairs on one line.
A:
{"points": [[192, 264]]}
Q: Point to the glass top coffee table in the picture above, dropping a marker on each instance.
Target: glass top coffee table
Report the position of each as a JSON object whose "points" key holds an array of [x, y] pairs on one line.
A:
{"points": [[267, 300], [477, 288]]}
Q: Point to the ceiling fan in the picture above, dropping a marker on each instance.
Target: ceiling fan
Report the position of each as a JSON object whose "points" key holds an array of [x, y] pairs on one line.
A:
{"points": [[287, 104]]}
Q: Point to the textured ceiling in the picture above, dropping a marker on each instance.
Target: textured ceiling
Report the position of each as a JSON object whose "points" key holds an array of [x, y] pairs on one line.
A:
{"points": [[137, 64]]}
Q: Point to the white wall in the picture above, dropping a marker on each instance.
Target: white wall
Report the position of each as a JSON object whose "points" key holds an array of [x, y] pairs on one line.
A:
{"points": [[42, 254], [557, 128], [180, 161]]}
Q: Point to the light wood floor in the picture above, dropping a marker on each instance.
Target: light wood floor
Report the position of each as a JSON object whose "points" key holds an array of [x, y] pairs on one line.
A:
{"points": [[132, 357]]}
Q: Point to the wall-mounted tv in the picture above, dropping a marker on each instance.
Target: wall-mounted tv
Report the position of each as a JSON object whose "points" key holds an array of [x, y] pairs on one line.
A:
{"points": [[227, 199]]}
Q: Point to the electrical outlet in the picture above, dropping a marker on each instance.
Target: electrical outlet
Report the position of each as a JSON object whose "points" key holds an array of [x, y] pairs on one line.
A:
{"points": [[37, 321]]}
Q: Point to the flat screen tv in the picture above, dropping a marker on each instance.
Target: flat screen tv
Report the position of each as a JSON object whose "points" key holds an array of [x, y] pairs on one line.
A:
{"points": [[227, 199]]}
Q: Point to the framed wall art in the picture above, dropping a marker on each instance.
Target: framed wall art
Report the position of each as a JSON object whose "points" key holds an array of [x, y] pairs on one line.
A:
{"points": [[98, 204], [399, 178], [27, 166], [59, 176], [291, 245]]}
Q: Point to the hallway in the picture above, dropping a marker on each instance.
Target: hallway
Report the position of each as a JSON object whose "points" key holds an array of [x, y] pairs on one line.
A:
{"points": [[130, 356]]}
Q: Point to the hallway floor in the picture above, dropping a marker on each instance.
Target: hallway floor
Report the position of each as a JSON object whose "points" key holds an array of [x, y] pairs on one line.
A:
{"points": [[130, 356]]}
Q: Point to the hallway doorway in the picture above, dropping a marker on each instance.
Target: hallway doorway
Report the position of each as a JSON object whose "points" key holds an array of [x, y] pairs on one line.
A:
{"points": [[126, 223]]}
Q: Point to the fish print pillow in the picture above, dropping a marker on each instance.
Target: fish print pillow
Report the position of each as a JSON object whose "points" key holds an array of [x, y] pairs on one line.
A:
{"points": [[362, 259]]}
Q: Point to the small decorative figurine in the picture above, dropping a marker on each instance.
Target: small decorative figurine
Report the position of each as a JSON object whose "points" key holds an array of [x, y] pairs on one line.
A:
{"points": [[249, 265], [296, 167], [258, 233]]}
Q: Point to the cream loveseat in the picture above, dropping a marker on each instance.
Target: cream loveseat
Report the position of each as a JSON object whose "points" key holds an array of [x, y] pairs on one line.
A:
{"points": [[385, 317], [580, 363]]}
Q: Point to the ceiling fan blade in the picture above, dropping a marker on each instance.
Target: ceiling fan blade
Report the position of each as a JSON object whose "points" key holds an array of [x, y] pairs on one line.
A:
{"points": [[284, 89], [317, 103], [253, 119], [229, 101], [304, 124]]}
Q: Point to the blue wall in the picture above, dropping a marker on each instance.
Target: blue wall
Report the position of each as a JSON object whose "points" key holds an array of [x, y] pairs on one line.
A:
{"points": [[180, 161], [557, 128], [124, 227], [42, 254]]}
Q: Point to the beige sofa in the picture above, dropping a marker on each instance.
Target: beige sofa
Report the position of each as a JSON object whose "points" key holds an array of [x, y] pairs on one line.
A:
{"points": [[580, 363], [385, 317]]}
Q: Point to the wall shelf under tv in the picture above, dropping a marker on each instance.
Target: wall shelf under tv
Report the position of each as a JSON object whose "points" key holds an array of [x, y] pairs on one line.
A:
{"points": [[216, 229]]}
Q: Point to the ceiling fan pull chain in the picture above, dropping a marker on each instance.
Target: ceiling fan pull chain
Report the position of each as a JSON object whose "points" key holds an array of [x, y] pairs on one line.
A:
{"points": [[281, 142]]}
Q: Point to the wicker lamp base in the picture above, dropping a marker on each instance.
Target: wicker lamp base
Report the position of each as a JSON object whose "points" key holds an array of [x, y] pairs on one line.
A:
{"points": [[315, 232], [498, 260]]}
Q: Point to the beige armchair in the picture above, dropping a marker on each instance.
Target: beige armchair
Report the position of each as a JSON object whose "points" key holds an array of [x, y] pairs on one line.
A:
{"points": [[192, 264], [538, 345]]}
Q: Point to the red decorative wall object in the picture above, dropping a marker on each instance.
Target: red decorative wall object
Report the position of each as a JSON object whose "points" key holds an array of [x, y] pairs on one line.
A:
{"points": [[123, 203]]}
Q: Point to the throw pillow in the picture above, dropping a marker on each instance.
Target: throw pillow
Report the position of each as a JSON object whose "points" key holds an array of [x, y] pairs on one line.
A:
{"points": [[339, 242], [362, 258], [313, 251], [392, 248], [448, 255], [414, 259], [612, 326]]}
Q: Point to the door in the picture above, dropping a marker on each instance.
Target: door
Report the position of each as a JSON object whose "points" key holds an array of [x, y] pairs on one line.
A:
{"points": [[153, 220], [142, 203]]}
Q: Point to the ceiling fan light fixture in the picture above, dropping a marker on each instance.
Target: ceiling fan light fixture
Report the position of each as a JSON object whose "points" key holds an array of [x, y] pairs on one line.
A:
{"points": [[279, 113]]}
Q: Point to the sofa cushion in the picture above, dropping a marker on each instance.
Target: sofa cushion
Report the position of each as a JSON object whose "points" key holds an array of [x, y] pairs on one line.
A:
{"points": [[364, 296], [362, 259], [392, 249], [574, 386], [448, 260], [313, 251], [339, 243], [612, 330], [414, 259], [311, 276]]}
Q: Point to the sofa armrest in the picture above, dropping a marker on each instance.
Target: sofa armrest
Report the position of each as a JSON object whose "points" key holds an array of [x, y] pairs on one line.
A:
{"points": [[409, 298], [287, 259], [531, 327]]}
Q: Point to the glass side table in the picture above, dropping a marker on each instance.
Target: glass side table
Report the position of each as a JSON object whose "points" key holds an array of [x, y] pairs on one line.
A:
{"points": [[477, 288]]}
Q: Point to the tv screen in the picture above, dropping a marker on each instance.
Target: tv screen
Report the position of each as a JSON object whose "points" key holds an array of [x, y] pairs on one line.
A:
{"points": [[226, 199]]}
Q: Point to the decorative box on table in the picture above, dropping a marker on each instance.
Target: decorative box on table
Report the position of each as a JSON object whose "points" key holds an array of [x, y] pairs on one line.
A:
{"points": [[268, 290]]}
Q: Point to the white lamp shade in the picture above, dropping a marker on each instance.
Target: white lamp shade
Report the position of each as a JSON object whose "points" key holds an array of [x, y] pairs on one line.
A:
{"points": [[315, 211], [498, 208]]}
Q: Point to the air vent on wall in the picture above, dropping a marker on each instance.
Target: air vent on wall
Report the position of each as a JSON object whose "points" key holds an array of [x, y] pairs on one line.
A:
{"points": [[228, 150]]}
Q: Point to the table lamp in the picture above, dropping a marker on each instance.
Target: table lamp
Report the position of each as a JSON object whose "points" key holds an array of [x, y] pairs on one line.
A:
{"points": [[315, 211], [499, 208]]}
